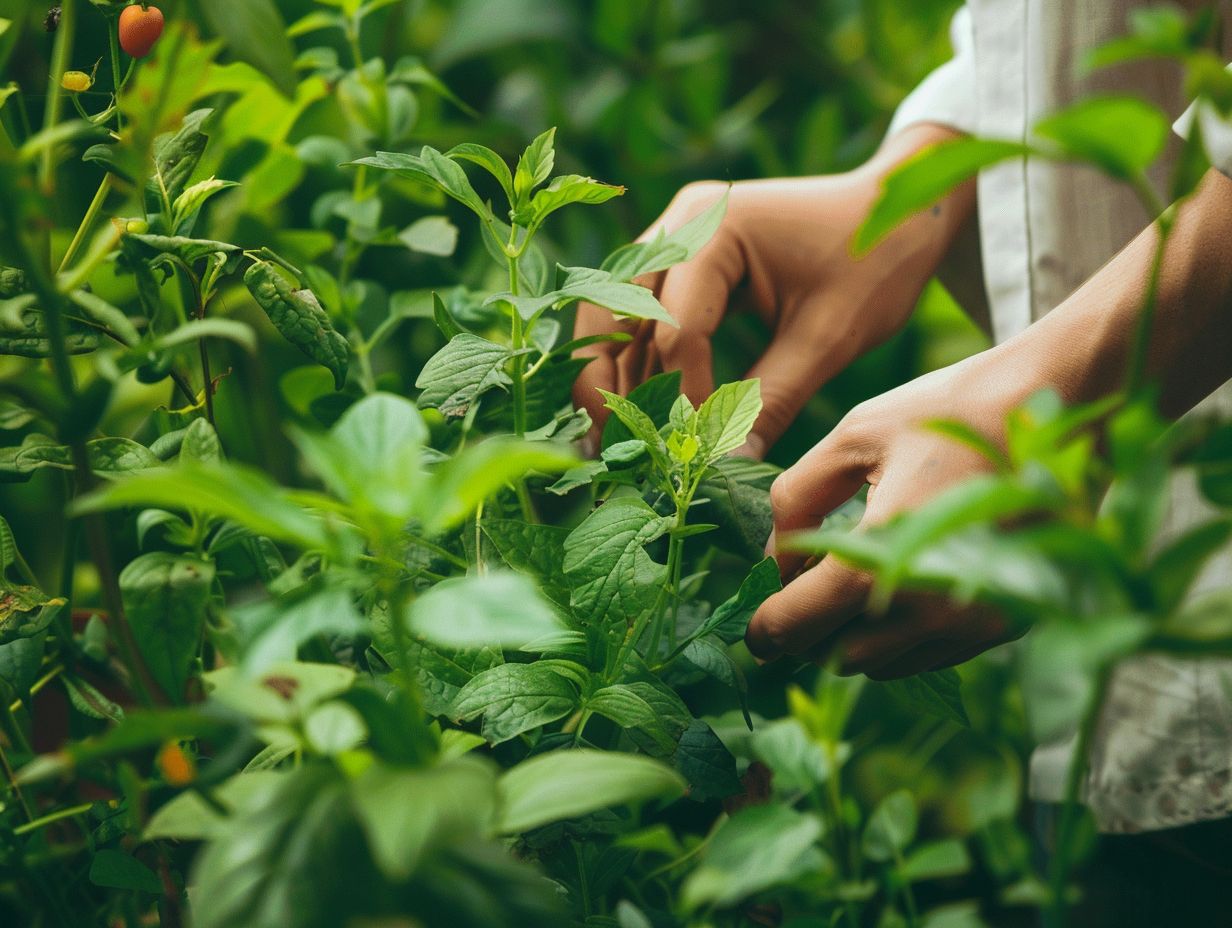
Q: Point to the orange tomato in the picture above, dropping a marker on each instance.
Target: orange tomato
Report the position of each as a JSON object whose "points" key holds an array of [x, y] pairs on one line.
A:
{"points": [[140, 27]]}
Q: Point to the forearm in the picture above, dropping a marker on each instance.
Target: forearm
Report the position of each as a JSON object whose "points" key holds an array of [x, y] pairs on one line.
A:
{"points": [[1084, 348]]}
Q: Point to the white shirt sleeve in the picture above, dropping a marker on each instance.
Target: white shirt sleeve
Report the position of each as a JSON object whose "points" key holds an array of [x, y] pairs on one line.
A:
{"points": [[1216, 133], [947, 95]]}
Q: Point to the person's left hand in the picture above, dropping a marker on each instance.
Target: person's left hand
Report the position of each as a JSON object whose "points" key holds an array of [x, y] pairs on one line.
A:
{"points": [[822, 613]]}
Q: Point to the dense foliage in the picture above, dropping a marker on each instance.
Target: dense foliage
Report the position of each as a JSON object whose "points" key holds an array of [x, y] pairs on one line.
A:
{"points": [[311, 613]]}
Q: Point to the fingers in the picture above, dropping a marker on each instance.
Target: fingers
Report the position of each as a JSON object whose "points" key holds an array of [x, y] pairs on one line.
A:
{"points": [[807, 611], [791, 371]]}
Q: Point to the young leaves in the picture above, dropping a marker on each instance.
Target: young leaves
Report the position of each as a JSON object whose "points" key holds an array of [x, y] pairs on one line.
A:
{"points": [[437, 171], [665, 250], [457, 375], [726, 418]]}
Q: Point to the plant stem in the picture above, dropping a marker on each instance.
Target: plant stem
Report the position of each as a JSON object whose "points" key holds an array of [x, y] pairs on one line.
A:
{"points": [[96, 204], [117, 81], [60, 55], [675, 560], [52, 817], [1059, 866], [518, 339]]}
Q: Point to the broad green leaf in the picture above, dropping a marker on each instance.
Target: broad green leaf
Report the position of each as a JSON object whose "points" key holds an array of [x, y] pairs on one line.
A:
{"points": [[23, 331], [535, 165], [924, 179], [535, 550], [458, 374], [598, 287], [489, 160], [440, 673], [937, 692], [626, 705], [1120, 135], [756, 849], [568, 784], [725, 419], [201, 443], [406, 812], [227, 491], [799, 763], [605, 557], [196, 329], [499, 609], [290, 854], [890, 828], [285, 692], [175, 157], [188, 817], [706, 763], [114, 869], [710, 656], [165, 596], [188, 250], [297, 314], [111, 457], [666, 250], [515, 698]]}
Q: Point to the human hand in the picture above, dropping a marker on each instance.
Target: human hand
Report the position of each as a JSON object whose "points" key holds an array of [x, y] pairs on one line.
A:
{"points": [[822, 612], [783, 251]]}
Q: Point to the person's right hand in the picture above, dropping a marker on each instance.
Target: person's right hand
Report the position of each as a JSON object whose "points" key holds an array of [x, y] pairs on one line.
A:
{"points": [[783, 250]]}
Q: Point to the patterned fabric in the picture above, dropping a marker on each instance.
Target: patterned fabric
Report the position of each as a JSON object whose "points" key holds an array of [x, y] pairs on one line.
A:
{"points": [[1162, 754]]}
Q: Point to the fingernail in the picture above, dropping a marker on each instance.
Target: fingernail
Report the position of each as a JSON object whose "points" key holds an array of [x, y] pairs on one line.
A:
{"points": [[589, 446]]}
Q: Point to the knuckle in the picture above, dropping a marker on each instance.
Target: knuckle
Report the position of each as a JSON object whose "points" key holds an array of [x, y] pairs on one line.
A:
{"points": [[670, 342]]}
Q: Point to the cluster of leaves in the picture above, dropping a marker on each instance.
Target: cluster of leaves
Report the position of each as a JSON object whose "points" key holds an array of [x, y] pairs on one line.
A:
{"points": [[311, 706]]}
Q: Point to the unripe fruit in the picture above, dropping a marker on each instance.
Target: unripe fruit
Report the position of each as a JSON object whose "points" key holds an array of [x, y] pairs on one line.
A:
{"points": [[76, 81], [140, 28], [177, 768]]}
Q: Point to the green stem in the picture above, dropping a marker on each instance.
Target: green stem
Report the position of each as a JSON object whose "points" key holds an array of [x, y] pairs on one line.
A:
{"points": [[87, 221], [905, 892], [1062, 857], [518, 340], [117, 81], [60, 55], [52, 818], [675, 549]]}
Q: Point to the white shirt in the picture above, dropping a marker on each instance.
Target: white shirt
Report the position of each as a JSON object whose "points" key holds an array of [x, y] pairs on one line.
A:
{"points": [[1162, 755]]}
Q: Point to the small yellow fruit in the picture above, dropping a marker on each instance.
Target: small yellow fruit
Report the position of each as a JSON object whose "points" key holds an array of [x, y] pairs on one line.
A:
{"points": [[76, 81]]}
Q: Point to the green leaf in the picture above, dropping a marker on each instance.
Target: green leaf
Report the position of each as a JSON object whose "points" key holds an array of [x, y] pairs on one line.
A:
{"points": [[655, 397], [731, 619], [113, 869], [406, 812], [165, 596], [890, 828], [196, 329], [434, 169], [756, 849], [87, 700], [227, 491], [1178, 565], [290, 854], [271, 632], [188, 250], [640, 427], [565, 190], [568, 784], [515, 698], [458, 374], [298, 315], [431, 235], [664, 250], [535, 550], [924, 179], [937, 860], [614, 578], [255, 33], [188, 817], [175, 157], [535, 166], [706, 763], [800, 764], [459, 485], [726, 418], [1120, 135], [937, 692], [711, 657], [490, 161], [499, 609], [627, 706], [195, 197]]}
